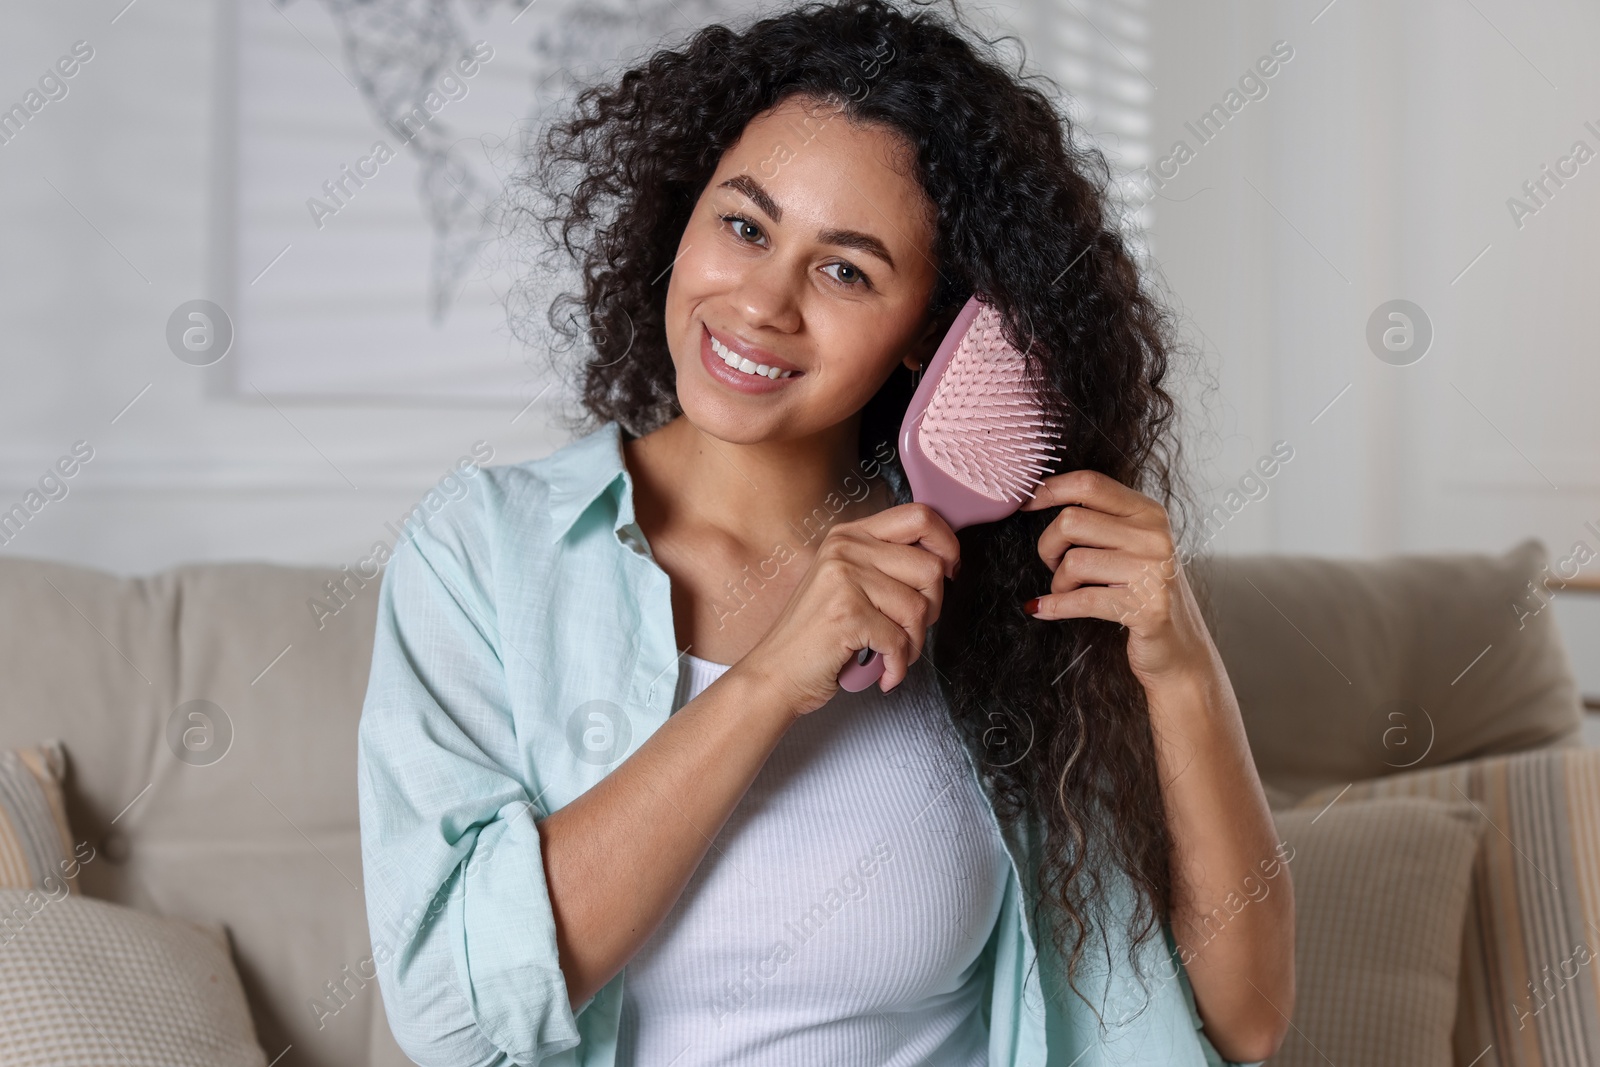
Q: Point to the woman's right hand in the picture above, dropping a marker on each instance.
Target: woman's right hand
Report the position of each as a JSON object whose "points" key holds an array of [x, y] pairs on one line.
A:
{"points": [[877, 583]]}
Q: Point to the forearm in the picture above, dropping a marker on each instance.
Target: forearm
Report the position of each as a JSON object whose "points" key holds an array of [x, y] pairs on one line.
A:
{"points": [[1114, 557], [1233, 902], [618, 857]]}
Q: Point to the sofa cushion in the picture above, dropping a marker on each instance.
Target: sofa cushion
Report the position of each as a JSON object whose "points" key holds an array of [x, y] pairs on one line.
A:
{"points": [[1347, 670], [209, 719], [100, 985], [1380, 891], [35, 836], [1529, 994]]}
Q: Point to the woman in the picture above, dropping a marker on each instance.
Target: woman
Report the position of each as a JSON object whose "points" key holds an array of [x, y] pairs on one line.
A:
{"points": [[615, 808]]}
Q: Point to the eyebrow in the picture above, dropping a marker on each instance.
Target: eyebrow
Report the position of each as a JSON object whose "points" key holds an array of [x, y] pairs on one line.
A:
{"points": [[751, 188]]}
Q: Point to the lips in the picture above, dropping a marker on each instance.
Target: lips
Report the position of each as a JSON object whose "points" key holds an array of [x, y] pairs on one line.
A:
{"points": [[717, 367], [745, 350]]}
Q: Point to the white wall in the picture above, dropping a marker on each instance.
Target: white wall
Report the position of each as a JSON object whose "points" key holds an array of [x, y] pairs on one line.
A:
{"points": [[88, 277], [1378, 166]]}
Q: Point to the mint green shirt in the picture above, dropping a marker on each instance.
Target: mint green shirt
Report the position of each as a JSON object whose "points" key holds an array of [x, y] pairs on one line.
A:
{"points": [[524, 646]]}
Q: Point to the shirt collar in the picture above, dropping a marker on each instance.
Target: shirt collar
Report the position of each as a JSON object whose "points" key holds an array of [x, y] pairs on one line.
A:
{"points": [[580, 472]]}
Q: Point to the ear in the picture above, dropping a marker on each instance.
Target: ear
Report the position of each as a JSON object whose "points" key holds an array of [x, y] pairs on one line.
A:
{"points": [[927, 342]]}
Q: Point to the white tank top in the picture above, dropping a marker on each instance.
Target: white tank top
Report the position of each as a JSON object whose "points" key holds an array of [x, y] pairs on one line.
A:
{"points": [[838, 916]]}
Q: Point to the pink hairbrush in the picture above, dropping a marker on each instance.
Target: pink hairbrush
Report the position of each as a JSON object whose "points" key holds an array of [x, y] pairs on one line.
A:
{"points": [[974, 442]]}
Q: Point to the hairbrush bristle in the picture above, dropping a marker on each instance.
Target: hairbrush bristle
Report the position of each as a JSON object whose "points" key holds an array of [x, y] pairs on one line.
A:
{"points": [[984, 425]]}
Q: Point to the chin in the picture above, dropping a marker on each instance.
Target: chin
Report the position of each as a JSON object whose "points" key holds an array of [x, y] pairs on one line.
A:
{"points": [[724, 419]]}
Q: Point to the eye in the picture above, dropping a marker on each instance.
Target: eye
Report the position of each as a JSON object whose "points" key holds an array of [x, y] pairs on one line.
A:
{"points": [[742, 227], [853, 279]]}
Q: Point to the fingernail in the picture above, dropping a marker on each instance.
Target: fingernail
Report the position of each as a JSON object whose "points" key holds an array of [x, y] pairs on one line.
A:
{"points": [[1030, 606], [955, 572]]}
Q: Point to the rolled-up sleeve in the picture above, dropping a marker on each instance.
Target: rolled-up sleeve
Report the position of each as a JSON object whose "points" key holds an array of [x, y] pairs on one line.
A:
{"points": [[459, 911]]}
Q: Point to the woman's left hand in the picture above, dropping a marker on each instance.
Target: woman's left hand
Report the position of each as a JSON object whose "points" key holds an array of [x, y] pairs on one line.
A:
{"points": [[1112, 555]]}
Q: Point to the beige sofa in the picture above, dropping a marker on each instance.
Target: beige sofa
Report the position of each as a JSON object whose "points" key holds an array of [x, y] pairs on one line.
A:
{"points": [[265, 839]]}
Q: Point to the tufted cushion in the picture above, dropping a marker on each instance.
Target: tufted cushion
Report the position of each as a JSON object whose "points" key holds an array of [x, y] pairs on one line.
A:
{"points": [[1347, 670]]}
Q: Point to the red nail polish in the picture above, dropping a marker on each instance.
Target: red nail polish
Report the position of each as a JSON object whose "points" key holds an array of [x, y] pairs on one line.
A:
{"points": [[1031, 606]]}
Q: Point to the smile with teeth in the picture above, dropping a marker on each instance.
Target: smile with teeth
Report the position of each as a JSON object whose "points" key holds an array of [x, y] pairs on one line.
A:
{"points": [[738, 362]]}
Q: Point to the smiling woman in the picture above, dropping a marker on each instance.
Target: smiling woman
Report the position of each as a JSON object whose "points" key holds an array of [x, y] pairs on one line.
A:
{"points": [[789, 280], [1065, 796]]}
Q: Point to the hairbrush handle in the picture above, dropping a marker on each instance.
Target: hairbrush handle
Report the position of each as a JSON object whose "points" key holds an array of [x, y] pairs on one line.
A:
{"points": [[860, 673]]}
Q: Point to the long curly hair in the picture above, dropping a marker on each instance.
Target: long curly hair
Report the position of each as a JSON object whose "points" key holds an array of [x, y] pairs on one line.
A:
{"points": [[1051, 709]]}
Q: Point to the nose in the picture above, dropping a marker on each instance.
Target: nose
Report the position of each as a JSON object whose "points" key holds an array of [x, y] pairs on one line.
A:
{"points": [[767, 296]]}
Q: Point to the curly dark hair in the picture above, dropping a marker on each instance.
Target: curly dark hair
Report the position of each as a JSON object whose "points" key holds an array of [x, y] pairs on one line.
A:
{"points": [[1051, 710]]}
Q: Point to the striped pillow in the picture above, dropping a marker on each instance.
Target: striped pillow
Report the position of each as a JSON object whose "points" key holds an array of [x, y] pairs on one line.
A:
{"points": [[35, 838], [1530, 974]]}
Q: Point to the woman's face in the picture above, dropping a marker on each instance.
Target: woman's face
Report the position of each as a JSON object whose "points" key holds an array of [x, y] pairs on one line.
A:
{"points": [[809, 251]]}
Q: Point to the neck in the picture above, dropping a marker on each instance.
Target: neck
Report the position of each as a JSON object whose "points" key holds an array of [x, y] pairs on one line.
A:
{"points": [[754, 494]]}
